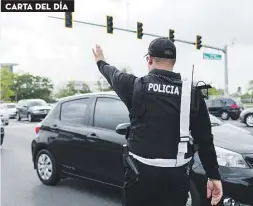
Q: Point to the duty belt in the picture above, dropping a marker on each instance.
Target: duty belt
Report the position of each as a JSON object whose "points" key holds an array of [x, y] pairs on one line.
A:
{"points": [[178, 162]]}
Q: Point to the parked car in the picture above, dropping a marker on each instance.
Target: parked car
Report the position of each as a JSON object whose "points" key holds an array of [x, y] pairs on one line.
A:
{"points": [[246, 117], [78, 139], [32, 109], [225, 108], [10, 108], [4, 116], [2, 132]]}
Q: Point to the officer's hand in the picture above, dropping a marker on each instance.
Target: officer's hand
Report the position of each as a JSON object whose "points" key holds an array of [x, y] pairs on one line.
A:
{"points": [[98, 53], [214, 190]]}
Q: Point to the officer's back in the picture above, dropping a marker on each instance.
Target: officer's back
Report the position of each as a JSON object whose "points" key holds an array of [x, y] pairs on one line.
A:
{"points": [[159, 139]]}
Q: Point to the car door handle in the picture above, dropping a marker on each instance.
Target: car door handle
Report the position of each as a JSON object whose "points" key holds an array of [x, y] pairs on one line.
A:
{"points": [[54, 127], [91, 136]]}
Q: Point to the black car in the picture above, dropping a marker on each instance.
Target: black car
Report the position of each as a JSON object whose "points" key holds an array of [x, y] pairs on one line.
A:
{"points": [[225, 108], [78, 139], [32, 109]]}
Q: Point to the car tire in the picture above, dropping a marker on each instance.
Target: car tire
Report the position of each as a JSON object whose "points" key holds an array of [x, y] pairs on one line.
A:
{"points": [[224, 115], [193, 195], [18, 117], [249, 120], [46, 167], [235, 118], [6, 123], [30, 117]]}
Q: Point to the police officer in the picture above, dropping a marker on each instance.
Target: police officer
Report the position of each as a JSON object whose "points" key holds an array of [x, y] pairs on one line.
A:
{"points": [[163, 121]]}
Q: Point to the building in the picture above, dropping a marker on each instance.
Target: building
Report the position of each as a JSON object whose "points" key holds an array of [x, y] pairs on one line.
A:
{"points": [[8, 66]]}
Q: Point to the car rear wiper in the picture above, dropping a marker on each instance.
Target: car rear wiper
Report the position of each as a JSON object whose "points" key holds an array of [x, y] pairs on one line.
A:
{"points": [[214, 124]]}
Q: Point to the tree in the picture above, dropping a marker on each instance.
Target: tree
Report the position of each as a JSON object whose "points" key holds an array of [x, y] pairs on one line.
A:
{"points": [[109, 87], [70, 90], [7, 81], [28, 86], [215, 92]]}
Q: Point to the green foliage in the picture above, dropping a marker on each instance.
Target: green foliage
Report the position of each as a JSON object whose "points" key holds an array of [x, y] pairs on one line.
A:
{"points": [[215, 92], [28, 86], [69, 90], [6, 84]]}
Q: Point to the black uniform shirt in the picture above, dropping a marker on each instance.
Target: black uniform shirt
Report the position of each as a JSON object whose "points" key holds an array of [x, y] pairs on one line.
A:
{"points": [[200, 125]]}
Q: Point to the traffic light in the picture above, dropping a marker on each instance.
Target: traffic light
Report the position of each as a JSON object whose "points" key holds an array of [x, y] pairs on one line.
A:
{"points": [[171, 35], [139, 30], [68, 19], [109, 24], [198, 42]]}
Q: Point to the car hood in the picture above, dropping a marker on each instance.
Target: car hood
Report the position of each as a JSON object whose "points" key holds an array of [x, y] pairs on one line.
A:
{"points": [[11, 110], [40, 107], [233, 138]]}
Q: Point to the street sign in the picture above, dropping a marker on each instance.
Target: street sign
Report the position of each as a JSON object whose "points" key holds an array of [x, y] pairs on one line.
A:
{"points": [[212, 56]]}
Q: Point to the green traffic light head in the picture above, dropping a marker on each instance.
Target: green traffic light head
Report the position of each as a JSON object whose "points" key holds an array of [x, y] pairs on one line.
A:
{"points": [[109, 24], [139, 30], [198, 42]]}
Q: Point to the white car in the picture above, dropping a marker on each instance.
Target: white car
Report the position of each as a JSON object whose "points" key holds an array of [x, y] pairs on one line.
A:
{"points": [[246, 117], [10, 108], [4, 116]]}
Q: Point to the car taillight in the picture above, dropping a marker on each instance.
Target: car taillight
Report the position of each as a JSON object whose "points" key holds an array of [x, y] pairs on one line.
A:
{"points": [[37, 129], [234, 106]]}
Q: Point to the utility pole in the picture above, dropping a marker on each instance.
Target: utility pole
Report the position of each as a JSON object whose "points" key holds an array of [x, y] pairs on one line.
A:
{"points": [[226, 93]]}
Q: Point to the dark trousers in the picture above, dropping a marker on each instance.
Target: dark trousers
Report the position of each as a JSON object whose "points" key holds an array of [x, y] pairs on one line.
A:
{"points": [[158, 186]]}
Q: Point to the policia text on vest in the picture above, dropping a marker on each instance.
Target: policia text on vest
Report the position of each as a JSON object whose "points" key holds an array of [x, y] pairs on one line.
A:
{"points": [[167, 89]]}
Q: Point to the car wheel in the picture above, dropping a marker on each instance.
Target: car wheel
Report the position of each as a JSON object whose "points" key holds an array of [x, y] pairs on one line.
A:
{"points": [[30, 118], [193, 196], [46, 167], [18, 117], [6, 123], [249, 120], [224, 115]]}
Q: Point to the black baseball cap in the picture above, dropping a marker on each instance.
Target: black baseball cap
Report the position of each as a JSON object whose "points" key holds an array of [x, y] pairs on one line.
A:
{"points": [[162, 48]]}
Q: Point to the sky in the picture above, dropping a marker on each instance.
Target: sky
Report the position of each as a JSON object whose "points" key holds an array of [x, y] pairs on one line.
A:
{"points": [[43, 46]]}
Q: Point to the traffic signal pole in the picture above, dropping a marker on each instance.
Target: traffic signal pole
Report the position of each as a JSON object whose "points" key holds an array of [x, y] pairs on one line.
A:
{"points": [[224, 50]]}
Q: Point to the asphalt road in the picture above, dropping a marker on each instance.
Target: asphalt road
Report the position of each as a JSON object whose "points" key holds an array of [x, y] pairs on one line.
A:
{"points": [[20, 185]]}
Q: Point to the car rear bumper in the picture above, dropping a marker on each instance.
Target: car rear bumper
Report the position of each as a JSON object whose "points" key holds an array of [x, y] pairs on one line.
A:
{"points": [[38, 116], [237, 184], [235, 113]]}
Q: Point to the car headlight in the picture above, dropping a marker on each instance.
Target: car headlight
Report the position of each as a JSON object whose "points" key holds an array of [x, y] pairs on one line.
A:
{"points": [[229, 158]]}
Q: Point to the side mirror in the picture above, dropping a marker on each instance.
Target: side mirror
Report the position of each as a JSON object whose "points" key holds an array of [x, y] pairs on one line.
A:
{"points": [[122, 128]]}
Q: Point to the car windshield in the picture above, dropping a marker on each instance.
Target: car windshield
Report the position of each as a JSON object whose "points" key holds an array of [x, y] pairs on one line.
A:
{"points": [[215, 121], [37, 103]]}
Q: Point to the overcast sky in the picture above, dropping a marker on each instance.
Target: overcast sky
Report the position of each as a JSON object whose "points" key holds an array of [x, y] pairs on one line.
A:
{"points": [[43, 46]]}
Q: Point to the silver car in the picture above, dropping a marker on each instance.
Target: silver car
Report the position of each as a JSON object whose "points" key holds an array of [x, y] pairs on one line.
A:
{"points": [[246, 117]]}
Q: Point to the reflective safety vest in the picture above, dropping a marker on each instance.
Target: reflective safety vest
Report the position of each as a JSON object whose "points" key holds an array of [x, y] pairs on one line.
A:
{"points": [[160, 116]]}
